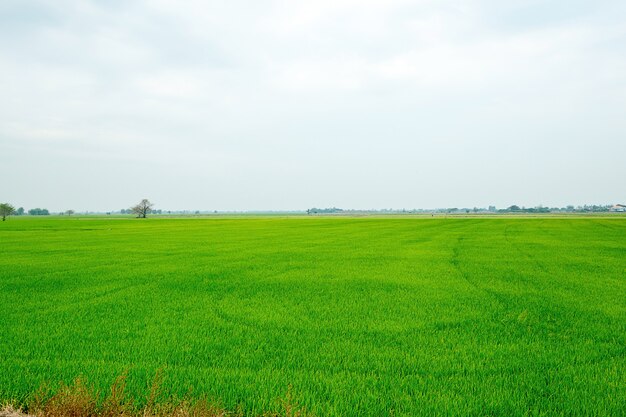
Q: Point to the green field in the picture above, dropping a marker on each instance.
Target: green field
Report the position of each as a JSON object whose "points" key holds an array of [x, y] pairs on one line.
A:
{"points": [[360, 316]]}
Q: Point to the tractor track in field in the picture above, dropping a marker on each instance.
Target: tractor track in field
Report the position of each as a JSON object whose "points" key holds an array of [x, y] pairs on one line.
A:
{"points": [[526, 254], [454, 261]]}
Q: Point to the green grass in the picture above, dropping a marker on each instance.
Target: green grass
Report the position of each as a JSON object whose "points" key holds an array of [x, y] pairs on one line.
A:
{"points": [[360, 316]]}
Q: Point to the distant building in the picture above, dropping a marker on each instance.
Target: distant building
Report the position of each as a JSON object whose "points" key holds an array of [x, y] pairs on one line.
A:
{"points": [[618, 208], [492, 208]]}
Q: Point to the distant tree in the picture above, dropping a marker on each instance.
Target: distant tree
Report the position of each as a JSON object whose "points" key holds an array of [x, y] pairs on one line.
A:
{"points": [[38, 212], [142, 209], [6, 210], [331, 210], [19, 211], [514, 208], [69, 212]]}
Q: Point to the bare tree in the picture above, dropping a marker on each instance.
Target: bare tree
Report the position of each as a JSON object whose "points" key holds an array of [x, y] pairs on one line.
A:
{"points": [[6, 210], [143, 208]]}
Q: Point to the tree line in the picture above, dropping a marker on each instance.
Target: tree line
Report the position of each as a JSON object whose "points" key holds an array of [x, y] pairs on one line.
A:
{"points": [[141, 210], [7, 209], [145, 207]]}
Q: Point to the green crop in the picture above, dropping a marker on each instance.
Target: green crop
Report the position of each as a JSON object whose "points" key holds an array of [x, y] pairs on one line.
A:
{"points": [[359, 316]]}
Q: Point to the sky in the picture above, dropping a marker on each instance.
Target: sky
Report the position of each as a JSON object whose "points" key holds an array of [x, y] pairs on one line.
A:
{"points": [[283, 105]]}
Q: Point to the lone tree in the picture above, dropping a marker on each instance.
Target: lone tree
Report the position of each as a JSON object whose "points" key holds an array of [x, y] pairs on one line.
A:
{"points": [[142, 209], [6, 210]]}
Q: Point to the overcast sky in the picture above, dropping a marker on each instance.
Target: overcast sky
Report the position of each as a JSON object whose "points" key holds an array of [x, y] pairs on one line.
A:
{"points": [[244, 105]]}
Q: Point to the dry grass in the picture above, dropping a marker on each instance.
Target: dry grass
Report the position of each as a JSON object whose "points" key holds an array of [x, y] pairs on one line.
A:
{"points": [[81, 400], [9, 411]]}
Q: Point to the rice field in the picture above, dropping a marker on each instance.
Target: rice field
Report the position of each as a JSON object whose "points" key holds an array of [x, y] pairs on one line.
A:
{"points": [[353, 316]]}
